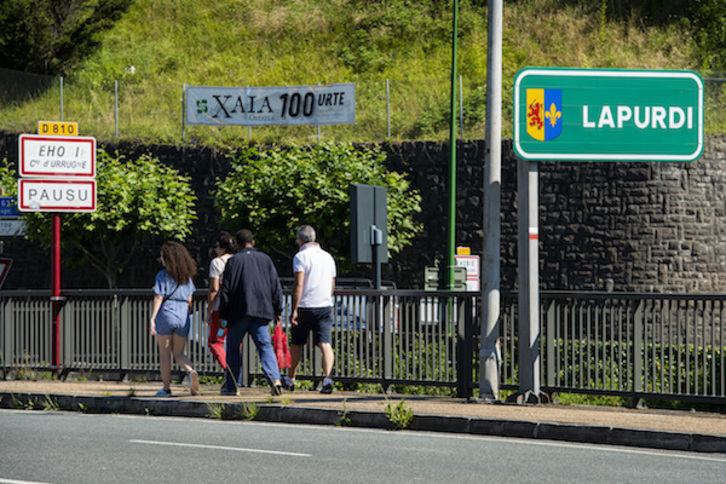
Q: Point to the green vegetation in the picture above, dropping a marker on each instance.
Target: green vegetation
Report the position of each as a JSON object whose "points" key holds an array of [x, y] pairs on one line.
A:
{"points": [[51, 37], [142, 198], [158, 46], [399, 414], [276, 190]]}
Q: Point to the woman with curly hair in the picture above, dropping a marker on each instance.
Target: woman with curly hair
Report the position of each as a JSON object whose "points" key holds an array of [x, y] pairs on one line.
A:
{"points": [[170, 322]]}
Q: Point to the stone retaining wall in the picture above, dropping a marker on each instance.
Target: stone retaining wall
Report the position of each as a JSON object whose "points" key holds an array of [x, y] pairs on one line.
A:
{"points": [[652, 227]]}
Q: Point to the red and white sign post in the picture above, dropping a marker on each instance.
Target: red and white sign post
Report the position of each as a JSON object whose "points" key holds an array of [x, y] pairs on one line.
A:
{"points": [[59, 175]]}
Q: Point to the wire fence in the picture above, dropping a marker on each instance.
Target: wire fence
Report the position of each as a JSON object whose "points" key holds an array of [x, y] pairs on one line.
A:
{"points": [[134, 109]]}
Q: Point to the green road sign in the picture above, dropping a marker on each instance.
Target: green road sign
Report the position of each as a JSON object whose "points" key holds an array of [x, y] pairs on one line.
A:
{"points": [[608, 115]]}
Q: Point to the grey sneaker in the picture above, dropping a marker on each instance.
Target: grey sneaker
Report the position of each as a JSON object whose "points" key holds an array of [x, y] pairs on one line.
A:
{"points": [[288, 383], [276, 390], [163, 393]]}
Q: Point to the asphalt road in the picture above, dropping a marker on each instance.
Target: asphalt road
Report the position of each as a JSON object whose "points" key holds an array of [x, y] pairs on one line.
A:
{"points": [[67, 447]]}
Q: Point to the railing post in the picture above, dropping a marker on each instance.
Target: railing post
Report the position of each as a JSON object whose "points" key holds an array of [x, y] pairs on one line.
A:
{"points": [[66, 313], [387, 332], [550, 354], [246, 360], [464, 375], [8, 340], [124, 329], [638, 325]]}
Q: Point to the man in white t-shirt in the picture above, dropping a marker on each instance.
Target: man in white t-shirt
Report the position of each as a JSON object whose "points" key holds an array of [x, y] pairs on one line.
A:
{"points": [[312, 305]]}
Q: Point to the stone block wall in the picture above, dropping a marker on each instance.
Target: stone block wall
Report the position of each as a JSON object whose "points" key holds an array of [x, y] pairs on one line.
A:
{"points": [[651, 227]]}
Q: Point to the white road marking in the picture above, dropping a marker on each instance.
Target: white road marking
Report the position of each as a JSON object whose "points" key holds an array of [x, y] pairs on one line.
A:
{"points": [[12, 481], [219, 447]]}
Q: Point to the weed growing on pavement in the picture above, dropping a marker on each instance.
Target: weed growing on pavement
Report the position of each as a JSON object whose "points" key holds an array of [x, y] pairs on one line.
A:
{"points": [[131, 392], [286, 400], [50, 404], [211, 380], [250, 410], [344, 420], [17, 402], [86, 374], [83, 407], [217, 411], [400, 415]]}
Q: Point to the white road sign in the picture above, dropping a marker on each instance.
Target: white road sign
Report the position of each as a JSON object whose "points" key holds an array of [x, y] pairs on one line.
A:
{"points": [[12, 227], [57, 156], [56, 195], [258, 106]]}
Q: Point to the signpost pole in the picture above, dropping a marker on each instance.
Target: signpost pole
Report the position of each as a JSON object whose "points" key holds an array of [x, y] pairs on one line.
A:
{"points": [[489, 353], [56, 284], [528, 293], [451, 244]]}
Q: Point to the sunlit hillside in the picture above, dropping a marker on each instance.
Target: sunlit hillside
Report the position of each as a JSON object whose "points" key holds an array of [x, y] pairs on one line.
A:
{"points": [[397, 52]]}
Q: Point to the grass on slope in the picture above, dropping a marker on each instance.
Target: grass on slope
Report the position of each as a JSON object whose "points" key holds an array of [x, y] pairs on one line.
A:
{"points": [[274, 42]]}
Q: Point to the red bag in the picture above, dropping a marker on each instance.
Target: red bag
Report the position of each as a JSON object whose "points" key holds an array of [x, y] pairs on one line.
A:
{"points": [[279, 342]]}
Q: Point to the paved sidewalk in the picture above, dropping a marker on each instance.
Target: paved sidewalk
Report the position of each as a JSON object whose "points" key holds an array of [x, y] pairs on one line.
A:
{"points": [[661, 429]]}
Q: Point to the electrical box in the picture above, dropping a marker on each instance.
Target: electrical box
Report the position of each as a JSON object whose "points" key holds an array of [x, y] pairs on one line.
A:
{"points": [[431, 278], [368, 223]]}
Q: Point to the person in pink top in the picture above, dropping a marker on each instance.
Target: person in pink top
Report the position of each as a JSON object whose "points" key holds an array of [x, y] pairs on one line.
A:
{"points": [[224, 249]]}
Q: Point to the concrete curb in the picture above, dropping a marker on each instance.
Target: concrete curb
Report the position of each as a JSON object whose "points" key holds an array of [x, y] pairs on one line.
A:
{"points": [[589, 434]]}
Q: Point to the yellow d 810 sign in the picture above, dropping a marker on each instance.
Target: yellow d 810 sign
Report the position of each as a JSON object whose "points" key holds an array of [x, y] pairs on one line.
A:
{"points": [[58, 128]]}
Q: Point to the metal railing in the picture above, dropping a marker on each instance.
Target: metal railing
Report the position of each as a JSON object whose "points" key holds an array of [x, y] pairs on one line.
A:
{"points": [[633, 345]]}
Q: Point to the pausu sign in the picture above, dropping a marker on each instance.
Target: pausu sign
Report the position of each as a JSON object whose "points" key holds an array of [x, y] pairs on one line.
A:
{"points": [[608, 115]]}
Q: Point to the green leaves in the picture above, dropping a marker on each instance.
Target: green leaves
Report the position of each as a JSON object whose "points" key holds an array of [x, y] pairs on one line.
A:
{"points": [[274, 191], [136, 198], [50, 37]]}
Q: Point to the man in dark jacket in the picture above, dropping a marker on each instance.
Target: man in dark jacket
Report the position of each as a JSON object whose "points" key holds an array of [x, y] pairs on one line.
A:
{"points": [[250, 297]]}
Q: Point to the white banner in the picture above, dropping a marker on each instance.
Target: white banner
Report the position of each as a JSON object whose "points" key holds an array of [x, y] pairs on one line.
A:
{"points": [[258, 106]]}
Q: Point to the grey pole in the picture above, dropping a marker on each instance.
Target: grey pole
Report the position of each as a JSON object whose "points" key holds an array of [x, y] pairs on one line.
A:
{"points": [[61, 98], [318, 126], [115, 106], [184, 107], [388, 107], [489, 354], [528, 272], [249, 131]]}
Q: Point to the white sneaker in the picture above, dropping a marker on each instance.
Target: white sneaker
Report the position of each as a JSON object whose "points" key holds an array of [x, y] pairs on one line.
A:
{"points": [[163, 393]]}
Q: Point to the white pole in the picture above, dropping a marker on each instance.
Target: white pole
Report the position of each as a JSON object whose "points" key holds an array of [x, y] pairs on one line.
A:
{"points": [[461, 105], [489, 354], [115, 108], [388, 106], [61, 98]]}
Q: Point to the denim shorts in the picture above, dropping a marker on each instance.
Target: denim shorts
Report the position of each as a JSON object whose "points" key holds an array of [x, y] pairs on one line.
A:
{"points": [[166, 326], [319, 320]]}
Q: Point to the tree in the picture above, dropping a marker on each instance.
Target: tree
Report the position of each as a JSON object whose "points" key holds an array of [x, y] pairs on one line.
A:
{"points": [[274, 191], [49, 37], [136, 198]]}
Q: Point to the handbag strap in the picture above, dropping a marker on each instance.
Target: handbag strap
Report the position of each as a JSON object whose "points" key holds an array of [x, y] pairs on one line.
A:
{"points": [[166, 298]]}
